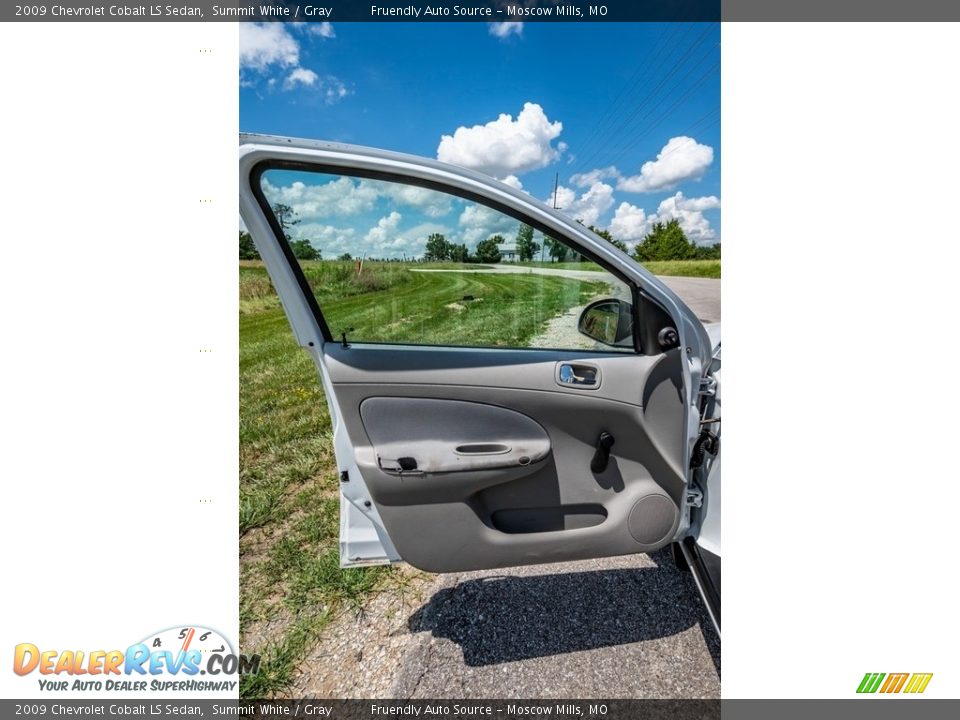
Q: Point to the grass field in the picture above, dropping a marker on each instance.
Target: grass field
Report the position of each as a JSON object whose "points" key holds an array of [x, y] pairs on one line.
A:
{"points": [[291, 584], [680, 268]]}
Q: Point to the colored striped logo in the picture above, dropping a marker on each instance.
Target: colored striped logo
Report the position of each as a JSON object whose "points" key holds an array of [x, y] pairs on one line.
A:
{"points": [[894, 682]]}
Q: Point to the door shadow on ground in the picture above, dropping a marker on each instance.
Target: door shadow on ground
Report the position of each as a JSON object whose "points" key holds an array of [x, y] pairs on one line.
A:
{"points": [[506, 618]]}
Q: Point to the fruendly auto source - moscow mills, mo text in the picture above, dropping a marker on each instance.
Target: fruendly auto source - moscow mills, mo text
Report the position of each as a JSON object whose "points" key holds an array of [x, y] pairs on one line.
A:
{"points": [[513, 11]]}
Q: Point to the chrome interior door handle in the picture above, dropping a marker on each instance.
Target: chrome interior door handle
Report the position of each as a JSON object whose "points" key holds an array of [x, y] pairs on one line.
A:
{"points": [[577, 375]]}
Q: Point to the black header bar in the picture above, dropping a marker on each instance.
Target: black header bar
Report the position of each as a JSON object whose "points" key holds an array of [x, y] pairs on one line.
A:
{"points": [[481, 11], [370, 11]]}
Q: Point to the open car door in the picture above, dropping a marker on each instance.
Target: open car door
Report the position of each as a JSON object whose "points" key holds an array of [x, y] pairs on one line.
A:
{"points": [[485, 414]]}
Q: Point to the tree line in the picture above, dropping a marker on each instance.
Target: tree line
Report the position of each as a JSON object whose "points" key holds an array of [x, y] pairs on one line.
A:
{"points": [[286, 218], [665, 241], [439, 249]]}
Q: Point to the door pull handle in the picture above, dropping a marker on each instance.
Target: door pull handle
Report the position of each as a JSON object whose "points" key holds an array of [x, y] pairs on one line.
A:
{"points": [[601, 457], [400, 466]]}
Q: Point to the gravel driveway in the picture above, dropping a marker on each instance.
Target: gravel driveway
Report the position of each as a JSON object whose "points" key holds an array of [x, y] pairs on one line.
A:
{"points": [[630, 627], [619, 627]]}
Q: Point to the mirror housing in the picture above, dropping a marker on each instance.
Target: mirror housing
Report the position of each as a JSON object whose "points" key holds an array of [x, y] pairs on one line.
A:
{"points": [[608, 321]]}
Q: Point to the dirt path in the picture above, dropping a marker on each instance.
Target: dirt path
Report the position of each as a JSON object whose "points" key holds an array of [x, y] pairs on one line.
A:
{"points": [[561, 332]]}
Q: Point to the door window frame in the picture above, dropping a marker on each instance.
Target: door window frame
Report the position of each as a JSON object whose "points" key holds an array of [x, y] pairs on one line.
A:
{"points": [[256, 186]]}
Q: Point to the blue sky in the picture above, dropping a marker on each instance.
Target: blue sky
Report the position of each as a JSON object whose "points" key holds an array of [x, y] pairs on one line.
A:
{"points": [[626, 113]]}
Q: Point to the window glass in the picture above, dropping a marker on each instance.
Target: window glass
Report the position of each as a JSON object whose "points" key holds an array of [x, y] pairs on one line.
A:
{"points": [[395, 263]]}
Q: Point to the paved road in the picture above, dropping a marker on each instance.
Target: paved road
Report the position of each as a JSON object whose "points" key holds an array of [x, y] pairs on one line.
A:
{"points": [[630, 626], [702, 295]]}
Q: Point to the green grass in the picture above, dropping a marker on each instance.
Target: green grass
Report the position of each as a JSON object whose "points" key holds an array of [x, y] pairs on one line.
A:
{"points": [[449, 266], [392, 304], [291, 585], [685, 268], [681, 268]]}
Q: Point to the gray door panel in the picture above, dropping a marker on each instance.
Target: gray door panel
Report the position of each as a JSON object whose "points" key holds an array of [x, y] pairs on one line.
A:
{"points": [[449, 436], [426, 402], [527, 369]]}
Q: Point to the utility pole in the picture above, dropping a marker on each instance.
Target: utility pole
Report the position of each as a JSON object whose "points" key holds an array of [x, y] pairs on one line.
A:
{"points": [[556, 186]]}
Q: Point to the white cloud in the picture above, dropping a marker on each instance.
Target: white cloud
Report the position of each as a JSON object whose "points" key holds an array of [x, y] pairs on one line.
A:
{"points": [[337, 197], [334, 89], [513, 181], [504, 146], [479, 222], [324, 29], [268, 47], [382, 234], [331, 241], [319, 29], [505, 29], [690, 214], [630, 223], [589, 178], [266, 44], [710, 202], [682, 158], [430, 202], [386, 240], [331, 87], [413, 242], [589, 206], [302, 76]]}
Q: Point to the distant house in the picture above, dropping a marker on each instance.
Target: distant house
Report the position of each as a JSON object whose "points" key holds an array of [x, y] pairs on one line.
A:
{"points": [[508, 252]]}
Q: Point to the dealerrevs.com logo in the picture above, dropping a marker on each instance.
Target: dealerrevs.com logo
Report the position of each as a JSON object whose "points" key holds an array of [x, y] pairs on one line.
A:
{"points": [[181, 659], [910, 683]]}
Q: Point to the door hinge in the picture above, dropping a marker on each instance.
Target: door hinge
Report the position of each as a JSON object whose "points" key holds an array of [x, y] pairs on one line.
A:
{"points": [[708, 386], [694, 497]]}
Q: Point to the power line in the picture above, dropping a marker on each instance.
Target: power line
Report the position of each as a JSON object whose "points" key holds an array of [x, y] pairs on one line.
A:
{"points": [[674, 54], [663, 41], [612, 131], [689, 92], [702, 123], [651, 93], [666, 96]]}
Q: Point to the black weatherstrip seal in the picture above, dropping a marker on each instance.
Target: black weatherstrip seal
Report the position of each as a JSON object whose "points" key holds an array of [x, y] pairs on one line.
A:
{"points": [[708, 590]]}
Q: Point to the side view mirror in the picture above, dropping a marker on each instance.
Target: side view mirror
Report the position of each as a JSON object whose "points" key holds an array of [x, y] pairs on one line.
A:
{"points": [[608, 321]]}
